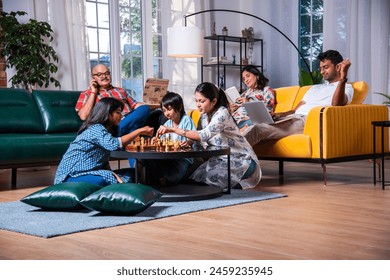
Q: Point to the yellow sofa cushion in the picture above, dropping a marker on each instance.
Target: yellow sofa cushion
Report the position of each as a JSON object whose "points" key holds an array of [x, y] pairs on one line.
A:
{"points": [[195, 116], [302, 91], [295, 146], [285, 97], [360, 92]]}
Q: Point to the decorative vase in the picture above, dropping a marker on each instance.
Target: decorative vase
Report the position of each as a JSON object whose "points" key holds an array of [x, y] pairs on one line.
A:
{"points": [[224, 31]]}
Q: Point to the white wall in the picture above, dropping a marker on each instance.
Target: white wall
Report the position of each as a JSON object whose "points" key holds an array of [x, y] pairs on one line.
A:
{"points": [[280, 57], [20, 5]]}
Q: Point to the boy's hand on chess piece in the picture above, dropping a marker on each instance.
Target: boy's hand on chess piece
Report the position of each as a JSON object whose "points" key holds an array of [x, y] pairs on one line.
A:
{"points": [[162, 130]]}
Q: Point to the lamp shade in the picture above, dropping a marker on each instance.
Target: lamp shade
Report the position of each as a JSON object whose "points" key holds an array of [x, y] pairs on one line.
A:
{"points": [[185, 41]]}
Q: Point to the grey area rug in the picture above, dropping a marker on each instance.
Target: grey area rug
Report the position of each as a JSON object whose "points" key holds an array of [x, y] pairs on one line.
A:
{"points": [[20, 217]]}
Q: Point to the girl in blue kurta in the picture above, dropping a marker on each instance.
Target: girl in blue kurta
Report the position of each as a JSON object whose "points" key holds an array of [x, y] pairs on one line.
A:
{"points": [[87, 158], [172, 171], [218, 128]]}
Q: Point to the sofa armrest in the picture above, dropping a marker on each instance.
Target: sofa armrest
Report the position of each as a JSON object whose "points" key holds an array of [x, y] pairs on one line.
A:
{"points": [[195, 116], [341, 131]]}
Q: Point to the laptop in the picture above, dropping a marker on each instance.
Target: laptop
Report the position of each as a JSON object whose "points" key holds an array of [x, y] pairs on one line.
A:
{"points": [[258, 113]]}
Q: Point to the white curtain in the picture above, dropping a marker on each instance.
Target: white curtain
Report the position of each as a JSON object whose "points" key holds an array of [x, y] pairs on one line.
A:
{"points": [[360, 30], [68, 21]]}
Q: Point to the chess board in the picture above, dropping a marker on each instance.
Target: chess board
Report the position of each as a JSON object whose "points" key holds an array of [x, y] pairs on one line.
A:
{"points": [[158, 144]]}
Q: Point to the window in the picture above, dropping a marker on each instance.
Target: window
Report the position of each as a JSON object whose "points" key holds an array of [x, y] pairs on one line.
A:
{"points": [[98, 30], [157, 39], [115, 31], [311, 32], [130, 18]]}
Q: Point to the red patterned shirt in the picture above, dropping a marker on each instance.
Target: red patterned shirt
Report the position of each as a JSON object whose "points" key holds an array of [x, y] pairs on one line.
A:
{"points": [[116, 92]]}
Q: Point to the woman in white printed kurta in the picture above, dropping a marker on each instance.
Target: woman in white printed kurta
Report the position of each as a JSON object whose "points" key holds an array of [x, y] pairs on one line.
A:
{"points": [[218, 128]]}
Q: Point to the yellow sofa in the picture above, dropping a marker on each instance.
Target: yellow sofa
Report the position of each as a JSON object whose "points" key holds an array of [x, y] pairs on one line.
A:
{"points": [[331, 134]]}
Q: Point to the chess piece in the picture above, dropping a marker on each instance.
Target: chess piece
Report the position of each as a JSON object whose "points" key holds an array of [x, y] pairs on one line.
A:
{"points": [[159, 142], [176, 144]]}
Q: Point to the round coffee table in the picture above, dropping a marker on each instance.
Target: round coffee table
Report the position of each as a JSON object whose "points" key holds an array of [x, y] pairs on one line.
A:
{"points": [[185, 191]]}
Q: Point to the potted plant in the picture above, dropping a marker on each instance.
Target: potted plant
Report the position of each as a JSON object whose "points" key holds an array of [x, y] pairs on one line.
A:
{"points": [[387, 96], [306, 79], [26, 48], [248, 33]]}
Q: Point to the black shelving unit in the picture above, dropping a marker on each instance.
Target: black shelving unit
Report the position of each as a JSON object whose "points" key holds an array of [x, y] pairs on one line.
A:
{"points": [[221, 42]]}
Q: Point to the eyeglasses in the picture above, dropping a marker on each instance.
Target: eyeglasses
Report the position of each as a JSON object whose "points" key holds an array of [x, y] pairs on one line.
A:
{"points": [[101, 74]]}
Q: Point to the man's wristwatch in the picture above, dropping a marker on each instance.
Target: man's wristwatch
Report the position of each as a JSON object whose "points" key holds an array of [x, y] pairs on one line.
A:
{"points": [[184, 133], [344, 80]]}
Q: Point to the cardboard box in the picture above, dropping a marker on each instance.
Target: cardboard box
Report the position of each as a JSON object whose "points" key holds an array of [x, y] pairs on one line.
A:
{"points": [[154, 91]]}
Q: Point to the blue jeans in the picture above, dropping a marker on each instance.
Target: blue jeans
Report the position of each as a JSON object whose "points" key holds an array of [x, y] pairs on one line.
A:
{"points": [[92, 179], [99, 180], [134, 120]]}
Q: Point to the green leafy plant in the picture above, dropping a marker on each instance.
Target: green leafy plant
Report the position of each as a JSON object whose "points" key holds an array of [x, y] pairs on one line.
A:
{"points": [[248, 33], [26, 48], [305, 78]]}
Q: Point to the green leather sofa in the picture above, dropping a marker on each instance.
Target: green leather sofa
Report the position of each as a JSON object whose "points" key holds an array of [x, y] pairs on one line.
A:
{"points": [[36, 128]]}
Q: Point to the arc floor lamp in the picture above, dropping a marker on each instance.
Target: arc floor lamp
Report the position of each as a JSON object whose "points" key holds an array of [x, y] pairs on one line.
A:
{"points": [[188, 41]]}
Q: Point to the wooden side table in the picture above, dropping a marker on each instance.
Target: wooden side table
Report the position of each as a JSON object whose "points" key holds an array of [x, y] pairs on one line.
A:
{"points": [[382, 125]]}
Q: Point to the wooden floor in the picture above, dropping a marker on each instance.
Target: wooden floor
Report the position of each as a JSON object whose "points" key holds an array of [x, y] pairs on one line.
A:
{"points": [[348, 219]]}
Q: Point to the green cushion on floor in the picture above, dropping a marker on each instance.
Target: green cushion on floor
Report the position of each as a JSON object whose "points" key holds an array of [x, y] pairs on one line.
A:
{"points": [[64, 196], [122, 199]]}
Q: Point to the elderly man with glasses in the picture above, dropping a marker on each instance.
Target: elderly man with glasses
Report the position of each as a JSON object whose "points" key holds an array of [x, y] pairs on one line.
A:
{"points": [[134, 113]]}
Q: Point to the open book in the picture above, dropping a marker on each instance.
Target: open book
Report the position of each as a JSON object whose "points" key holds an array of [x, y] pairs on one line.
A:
{"points": [[232, 94]]}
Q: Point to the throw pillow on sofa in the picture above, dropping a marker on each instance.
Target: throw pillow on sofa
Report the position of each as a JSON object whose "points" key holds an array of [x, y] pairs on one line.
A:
{"points": [[64, 196], [122, 199]]}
